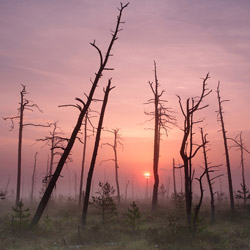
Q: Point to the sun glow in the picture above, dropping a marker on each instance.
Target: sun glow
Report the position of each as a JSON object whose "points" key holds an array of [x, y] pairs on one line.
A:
{"points": [[147, 175]]}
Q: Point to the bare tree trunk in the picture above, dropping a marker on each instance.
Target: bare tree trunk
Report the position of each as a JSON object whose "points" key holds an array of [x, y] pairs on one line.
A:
{"points": [[83, 110], [204, 142], [33, 179], [230, 182], [126, 191], [20, 137], [92, 165], [243, 171], [174, 182], [83, 159], [198, 206], [116, 167], [187, 156]]}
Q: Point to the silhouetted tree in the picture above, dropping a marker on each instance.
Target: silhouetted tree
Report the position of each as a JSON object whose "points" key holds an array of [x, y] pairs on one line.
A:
{"points": [[186, 156], [117, 140], [83, 158], [56, 143], [83, 109], [244, 192], [94, 155], [33, 180], [198, 206], [209, 169], [162, 119], [221, 119], [25, 105]]}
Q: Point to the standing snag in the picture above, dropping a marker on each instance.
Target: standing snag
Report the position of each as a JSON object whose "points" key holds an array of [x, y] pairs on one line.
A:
{"points": [[25, 105], [223, 130], [33, 179], [162, 119], [117, 140], [244, 192], [192, 105], [94, 155]]}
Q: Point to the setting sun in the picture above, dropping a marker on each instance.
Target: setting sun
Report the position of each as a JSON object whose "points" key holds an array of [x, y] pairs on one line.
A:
{"points": [[147, 175]]}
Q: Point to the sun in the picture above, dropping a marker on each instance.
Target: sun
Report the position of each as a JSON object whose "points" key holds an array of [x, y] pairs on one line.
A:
{"points": [[147, 175]]}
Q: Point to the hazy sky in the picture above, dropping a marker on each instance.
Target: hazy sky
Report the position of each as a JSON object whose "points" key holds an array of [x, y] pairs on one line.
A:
{"points": [[45, 45]]}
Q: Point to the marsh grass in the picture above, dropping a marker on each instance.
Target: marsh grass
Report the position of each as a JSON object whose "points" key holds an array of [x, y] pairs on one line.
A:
{"points": [[166, 229]]}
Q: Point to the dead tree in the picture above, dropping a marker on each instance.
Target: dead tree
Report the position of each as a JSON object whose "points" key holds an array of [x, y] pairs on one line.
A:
{"points": [[198, 206], [55, 141], [33, 180], [162, 119], [94, 155], [244, 192], [117, 140], [25, 105], [83, 158], [209, 169], [186, 156], [174, 181], [221, 119], [83, 108]]}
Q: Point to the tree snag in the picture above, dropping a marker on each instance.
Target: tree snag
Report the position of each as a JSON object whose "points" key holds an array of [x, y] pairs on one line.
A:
{"points": [[83, 108], [187, 156], [94, 155], [221, 119], [117, 140], [25, 104], [162, 119]]}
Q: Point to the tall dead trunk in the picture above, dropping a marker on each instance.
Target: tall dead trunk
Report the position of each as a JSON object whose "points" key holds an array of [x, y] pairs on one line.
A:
{"points": [[211, 192], [83, 159], [187, 137], [198, 206], [33, 180], [95, 151], [83, 110], [221, 119], [20, 138], [174, 182], [116, 166], [24, 105], [162, 118]]}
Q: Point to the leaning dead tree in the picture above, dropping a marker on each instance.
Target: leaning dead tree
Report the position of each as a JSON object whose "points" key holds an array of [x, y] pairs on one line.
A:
{"points": [[244, 192], [162, 119], [25, 105], [83, 108], [94, 155], [117, 140], [224, 134], [192, 105], [33, 179]]}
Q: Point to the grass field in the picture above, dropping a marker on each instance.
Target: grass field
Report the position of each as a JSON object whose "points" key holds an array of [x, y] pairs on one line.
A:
{"points": [[164, 229]]}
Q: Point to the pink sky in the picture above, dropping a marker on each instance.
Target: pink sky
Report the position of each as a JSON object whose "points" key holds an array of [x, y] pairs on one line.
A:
{"points": [[45, 45]]}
